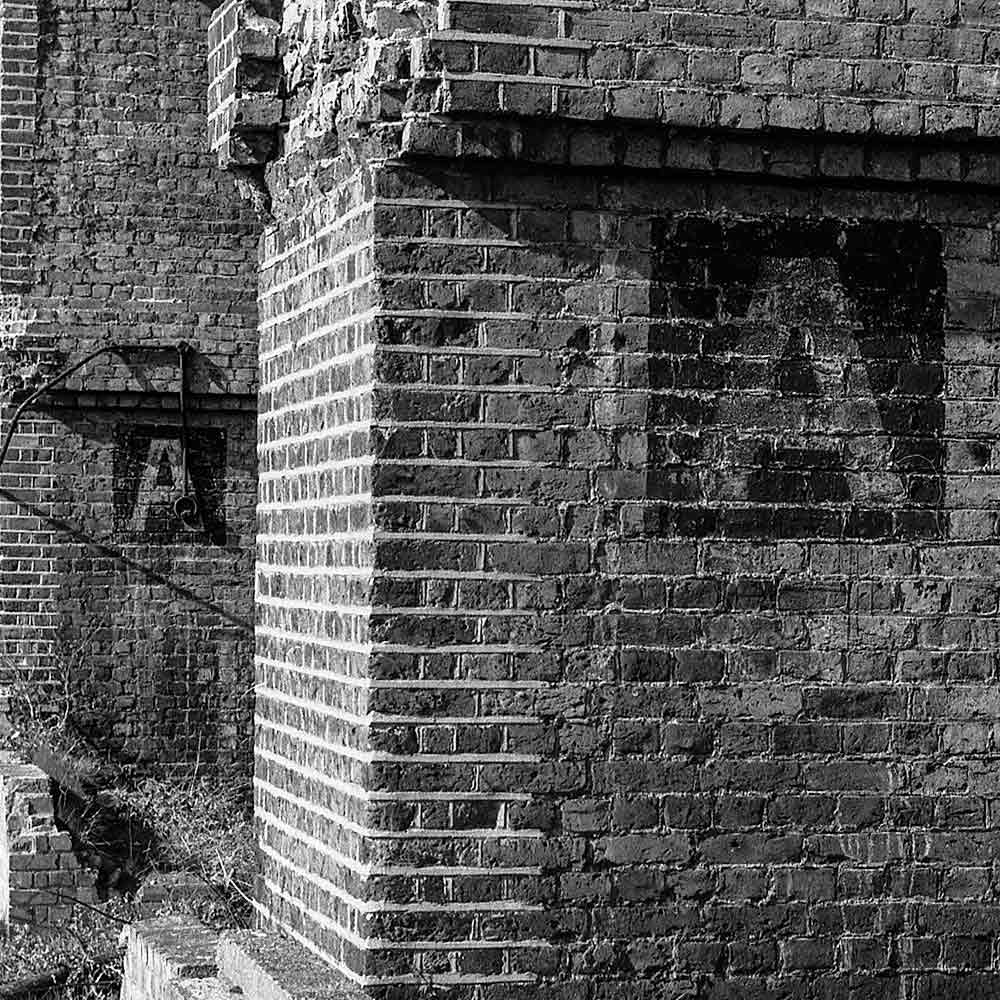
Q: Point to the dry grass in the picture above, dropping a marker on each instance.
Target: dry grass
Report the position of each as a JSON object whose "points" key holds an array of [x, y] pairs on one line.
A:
{"points": [[87, 948], [200, 826], [204, 828]]}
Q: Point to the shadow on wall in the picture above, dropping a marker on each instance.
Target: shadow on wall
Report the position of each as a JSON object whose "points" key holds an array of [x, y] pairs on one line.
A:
{"points": [[187, 705], [828, 338]]}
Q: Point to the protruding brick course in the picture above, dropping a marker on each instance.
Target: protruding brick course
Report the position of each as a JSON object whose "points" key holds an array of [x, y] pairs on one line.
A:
{"points": [[245, 97], [839, 69]]}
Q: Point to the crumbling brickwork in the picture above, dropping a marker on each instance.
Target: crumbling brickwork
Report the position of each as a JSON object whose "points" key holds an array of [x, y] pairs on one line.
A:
{"points": [[120, 230], [41, 878], [886, 66]]}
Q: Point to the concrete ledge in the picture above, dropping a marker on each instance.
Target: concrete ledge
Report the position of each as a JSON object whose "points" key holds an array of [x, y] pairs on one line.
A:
{"points": [[267, 967], [202, 989], [179, 958], [164, 951]]}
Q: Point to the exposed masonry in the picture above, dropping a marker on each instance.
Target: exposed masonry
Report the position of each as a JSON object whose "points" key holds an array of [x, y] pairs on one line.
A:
{"points": [[118, 229], [41, 879], [893, 68], [626, 604], [175, 958], [479, 440]]}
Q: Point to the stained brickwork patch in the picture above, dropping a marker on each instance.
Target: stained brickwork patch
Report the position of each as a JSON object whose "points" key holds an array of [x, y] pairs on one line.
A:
{"points": [[838, 331], [149, 480]]}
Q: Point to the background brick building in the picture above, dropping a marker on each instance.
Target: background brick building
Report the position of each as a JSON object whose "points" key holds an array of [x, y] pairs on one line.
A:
{"points": [[118, 230]]}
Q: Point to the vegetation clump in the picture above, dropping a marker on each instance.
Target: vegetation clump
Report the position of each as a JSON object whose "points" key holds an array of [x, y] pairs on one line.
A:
{"points": [[141, 830]]}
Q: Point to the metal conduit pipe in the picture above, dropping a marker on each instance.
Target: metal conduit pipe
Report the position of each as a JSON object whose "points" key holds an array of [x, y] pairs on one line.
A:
{"points": [[186, 506], [51, 384]]}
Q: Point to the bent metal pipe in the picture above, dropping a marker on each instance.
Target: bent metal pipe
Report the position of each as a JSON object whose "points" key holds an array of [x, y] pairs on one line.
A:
{"points": [[186, 506]]}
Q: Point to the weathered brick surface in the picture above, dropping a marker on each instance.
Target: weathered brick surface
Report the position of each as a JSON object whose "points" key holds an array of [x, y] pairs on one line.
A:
{"points": [[165, 954], [118, 228], [685, 571], [245, 82], [666, 667], [41, 879], [682, 624], [889, 68], [314, 566]]}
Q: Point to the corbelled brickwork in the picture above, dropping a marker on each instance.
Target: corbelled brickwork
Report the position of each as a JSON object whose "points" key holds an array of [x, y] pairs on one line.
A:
{"points": [[886, 66], [119, 230], [245, 84]]}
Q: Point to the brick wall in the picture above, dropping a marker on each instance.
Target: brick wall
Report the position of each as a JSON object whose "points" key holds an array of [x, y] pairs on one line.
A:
{"points": [[684, 571], [893, 68], [682, 614], [668, 669], [25, 611], [245, 104], [28, 615], [314, 567], [135, 239], [898, 69]]}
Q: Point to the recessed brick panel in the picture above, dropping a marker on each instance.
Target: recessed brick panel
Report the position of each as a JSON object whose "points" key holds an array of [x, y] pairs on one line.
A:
{"points": [[149, 479]]}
